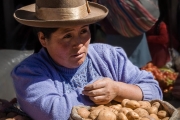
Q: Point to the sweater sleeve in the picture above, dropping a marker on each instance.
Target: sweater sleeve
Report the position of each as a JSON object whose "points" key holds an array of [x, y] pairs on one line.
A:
{"points": [[112, 62], [38, 96], [129, 73]]}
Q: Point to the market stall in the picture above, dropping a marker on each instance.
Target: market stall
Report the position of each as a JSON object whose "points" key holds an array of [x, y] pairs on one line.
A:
{"points": [[8, 103]]}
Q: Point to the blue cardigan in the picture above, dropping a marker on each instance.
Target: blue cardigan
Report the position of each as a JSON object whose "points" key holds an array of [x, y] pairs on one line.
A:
{"points": [[47, 91]]}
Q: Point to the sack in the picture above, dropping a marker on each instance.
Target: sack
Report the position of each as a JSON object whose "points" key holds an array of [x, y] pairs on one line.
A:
{"points": [[131, 18], [175, 114], [74, 115]]}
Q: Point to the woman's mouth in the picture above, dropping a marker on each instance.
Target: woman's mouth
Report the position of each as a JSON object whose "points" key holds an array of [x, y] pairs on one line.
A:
{"points": [[78, 55]]}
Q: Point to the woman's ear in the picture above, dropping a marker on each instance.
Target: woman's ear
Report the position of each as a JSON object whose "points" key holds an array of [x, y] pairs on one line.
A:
{"points": [[42, 39]]}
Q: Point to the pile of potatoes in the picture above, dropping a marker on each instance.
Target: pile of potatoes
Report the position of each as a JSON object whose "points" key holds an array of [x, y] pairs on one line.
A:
{"points": [[12, 116], [127, 110]]}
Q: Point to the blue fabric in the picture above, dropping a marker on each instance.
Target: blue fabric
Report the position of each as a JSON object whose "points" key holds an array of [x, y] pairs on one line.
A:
{"points": [[136, 48], [46, 91]]}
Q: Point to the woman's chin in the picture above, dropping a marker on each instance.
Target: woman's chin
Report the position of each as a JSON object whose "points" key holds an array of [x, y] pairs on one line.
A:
{"points": [[78, 63]]}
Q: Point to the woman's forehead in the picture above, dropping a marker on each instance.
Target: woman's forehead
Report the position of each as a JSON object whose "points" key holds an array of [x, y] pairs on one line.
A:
{"points": [[67, 29]]}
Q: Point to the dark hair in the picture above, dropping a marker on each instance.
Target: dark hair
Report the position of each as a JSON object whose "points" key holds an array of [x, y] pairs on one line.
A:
{"points": [[178, 23], [47, 33], [162, 17]]}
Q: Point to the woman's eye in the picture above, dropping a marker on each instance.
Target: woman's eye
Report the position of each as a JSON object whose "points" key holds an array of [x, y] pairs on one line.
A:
{"points": [[67, 36], [83, 31]]}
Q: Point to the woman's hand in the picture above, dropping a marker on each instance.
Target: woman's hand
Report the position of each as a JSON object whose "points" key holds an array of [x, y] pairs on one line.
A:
{"points": [[101, 91]]}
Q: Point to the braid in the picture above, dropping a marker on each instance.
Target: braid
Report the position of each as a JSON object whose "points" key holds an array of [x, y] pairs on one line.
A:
{"points": [[162, 11], [178, 23], [157, 24]]}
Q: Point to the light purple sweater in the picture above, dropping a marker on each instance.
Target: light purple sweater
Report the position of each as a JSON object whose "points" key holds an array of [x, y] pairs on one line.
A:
{"points": [[47, 91]]}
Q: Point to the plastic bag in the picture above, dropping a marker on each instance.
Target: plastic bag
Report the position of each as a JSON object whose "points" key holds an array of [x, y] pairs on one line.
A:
{"points": [[8, 60]]}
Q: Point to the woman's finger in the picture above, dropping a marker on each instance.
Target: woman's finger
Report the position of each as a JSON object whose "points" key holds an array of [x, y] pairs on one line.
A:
{"points": [[96, 85], [99, 100], [96, 92]]}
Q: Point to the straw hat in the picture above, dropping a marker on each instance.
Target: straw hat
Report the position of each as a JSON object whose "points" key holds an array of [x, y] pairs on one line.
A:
{"points": [[59, 13]]}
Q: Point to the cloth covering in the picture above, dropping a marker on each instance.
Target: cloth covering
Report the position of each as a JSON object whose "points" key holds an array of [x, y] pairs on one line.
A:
{"points": [[133, 17]]}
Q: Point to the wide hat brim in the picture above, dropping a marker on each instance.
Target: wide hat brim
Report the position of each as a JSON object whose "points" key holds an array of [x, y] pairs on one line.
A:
{"points": [[27, 16]]}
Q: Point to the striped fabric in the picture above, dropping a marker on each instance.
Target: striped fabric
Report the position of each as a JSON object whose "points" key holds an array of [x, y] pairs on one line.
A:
{"points": [[131, 17]]}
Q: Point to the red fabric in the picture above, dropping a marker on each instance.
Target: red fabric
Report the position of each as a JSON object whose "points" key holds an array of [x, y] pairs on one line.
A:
{"points": [[161, 38], [158, 45]]}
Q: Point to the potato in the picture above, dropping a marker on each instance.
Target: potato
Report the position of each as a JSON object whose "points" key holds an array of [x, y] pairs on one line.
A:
{"points": [[92, 108], [153, 110], [132, 115], [124, 101], [3, 118], [94, 113], [111, 109], [162, 114], [154, 116], [125, 110], [166, 118], [11, 115], [108, 104], [121, 116], [106, 115], [157, 104], [144, 104], [141, 112], [98, 107], [116, 107], [132, 104], [83, 112], [144, 118], [18, 117]]}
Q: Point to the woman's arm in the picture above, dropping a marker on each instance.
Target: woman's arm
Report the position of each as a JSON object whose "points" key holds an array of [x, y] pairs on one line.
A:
{"points": [[127, 80], [105, 90], [136, 79], [41, 97]]}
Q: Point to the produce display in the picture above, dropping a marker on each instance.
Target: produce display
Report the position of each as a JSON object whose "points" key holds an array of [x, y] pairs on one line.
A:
{"points": [[12, 116], [126, 110], [165, 76], [9, 111]]}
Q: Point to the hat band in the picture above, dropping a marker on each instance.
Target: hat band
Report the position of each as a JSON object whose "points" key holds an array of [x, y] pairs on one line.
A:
{"points": [[62, 13]]}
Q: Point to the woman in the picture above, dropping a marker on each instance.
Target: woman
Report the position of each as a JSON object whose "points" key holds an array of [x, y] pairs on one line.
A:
{"points": [[158, 43], [68, 71], [158, 38]]}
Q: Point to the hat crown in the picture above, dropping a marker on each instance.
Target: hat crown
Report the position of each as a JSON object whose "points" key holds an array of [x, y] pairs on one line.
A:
{"points": [[60, 13], [59, 3]]}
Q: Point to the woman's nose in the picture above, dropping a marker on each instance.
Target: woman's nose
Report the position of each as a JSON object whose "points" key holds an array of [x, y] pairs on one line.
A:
{"points": [[77, 41]]}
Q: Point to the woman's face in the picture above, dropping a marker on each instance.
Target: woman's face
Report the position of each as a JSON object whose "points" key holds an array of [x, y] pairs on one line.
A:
{"points": [[68, 46]]}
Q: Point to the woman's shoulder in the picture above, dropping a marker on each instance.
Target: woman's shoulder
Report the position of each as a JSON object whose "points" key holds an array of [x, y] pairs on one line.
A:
{"points": [[105, 50], [99, 45], [102, 47], [35, 60]]}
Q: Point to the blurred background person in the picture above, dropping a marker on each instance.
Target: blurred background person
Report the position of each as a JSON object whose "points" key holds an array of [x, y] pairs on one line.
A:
{"points": [[158, 38], [122, 28]]}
